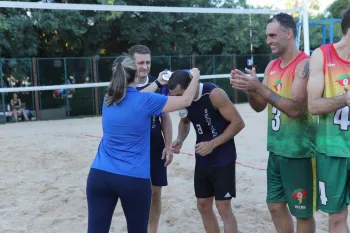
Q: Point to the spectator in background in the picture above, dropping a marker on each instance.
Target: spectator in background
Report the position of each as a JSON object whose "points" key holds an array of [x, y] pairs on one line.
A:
{"points": [[17, 109]]}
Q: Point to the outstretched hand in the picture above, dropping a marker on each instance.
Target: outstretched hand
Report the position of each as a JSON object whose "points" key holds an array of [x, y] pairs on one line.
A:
{"points": [[160, 78], [242, 81], [176, 146], [195, 73]]}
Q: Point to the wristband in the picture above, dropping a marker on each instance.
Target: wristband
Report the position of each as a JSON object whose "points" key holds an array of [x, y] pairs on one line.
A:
{"points": [[158, 84]]}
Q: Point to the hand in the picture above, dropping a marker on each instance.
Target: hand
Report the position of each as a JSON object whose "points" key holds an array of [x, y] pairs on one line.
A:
{"points": [[204, 148], [241, 81], [176, 146], [195, 73], [168, 154], [160, 78], [347, 96]]}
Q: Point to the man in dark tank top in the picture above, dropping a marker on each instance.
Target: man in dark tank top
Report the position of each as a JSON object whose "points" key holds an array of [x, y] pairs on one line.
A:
{"points": [[216, 122]]}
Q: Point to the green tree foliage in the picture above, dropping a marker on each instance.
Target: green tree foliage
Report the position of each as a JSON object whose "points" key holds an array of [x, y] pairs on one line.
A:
{"points": [[62, 33], [336, 8]]}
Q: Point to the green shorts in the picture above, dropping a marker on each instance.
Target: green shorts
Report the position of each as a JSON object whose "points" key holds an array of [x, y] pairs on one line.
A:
{"points": [[293, 181], [333, 180]]}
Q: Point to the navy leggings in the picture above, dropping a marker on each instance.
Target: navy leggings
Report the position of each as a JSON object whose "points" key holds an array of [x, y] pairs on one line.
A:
{"points": [[103, 191]]}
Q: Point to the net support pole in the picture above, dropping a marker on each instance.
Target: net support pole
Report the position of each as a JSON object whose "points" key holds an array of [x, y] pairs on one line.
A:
{"points": [[298, 36], [36, 93], [306, 27]]}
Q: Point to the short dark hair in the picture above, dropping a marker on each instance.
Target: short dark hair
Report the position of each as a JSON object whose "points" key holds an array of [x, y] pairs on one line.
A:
{"points": [[345, 21], [286, 21], [140, 49], [179, 77]]}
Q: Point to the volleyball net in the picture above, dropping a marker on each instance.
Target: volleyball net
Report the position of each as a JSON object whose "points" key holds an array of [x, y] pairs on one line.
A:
{"points": [[64, 87], [59, 88]]}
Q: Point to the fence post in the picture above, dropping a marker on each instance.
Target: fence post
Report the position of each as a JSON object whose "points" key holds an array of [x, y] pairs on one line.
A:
{"points": [[169, 63], [94, 68], [2, 94], [36, 93], [66, 77]]}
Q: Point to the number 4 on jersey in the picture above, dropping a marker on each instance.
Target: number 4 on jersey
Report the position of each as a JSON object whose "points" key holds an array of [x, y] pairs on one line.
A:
{"points": [[341, 118], [276, 121]]}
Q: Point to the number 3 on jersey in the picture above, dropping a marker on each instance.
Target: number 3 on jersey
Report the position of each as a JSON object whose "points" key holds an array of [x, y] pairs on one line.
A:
{"points": [[276, 121], [341, 118]]}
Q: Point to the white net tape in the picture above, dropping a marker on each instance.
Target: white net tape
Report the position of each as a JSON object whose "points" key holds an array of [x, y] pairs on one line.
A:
{"points": [[100, 7], [87, 85]]}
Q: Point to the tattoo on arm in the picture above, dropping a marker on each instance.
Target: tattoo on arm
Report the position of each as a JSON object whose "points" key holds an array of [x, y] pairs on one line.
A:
{"points": [[305, 72], [274, 98]]}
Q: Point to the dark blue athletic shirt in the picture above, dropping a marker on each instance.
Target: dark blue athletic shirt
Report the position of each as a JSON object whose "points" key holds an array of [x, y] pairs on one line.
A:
{"points": [[209, 123], [157, 140]]}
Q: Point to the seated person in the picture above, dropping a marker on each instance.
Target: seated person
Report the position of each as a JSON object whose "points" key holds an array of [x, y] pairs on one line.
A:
{"points": [[17, 109]]}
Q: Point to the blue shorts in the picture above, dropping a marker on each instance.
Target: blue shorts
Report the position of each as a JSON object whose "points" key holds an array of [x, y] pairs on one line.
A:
{"points": [[159, 175], [103, 190]]}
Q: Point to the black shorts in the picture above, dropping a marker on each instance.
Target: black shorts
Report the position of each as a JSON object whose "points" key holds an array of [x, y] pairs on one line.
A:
{"points": [[215, 181], [159, 176]]}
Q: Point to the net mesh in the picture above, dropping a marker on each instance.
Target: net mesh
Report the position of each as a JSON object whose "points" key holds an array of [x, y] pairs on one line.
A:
{"points": [[57, 101], [39, 49]]}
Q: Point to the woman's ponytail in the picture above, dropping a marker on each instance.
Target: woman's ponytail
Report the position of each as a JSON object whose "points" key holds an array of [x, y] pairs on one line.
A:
{"points": [[123, 73]]}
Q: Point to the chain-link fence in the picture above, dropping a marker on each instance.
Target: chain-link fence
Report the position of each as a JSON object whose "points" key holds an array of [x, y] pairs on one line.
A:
{"points": [[81, 102]]}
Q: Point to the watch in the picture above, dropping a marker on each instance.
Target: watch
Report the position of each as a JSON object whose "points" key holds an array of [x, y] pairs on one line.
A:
{"points": [[158, 83]]}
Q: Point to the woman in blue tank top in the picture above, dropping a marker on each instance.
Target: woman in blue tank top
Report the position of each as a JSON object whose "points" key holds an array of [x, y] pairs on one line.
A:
{"points": [[121, 168]]}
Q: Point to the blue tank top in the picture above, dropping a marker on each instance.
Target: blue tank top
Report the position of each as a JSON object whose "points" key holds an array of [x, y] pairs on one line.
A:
{"points": [[157, 140], [208, 124]]}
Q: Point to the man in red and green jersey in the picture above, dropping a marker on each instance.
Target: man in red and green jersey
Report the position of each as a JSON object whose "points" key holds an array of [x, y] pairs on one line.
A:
{"points": [[329, 98], [291, 170]]}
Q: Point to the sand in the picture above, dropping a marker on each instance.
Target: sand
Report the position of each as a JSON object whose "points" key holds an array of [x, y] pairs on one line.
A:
{"points": [[44, 166]]}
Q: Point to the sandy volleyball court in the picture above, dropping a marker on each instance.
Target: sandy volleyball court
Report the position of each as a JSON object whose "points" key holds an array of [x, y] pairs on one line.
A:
{"points": [[44, 166]]}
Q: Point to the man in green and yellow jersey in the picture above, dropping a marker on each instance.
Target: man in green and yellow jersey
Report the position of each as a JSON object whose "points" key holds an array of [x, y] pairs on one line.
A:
{"points": [[329, 97], [291, 169]]}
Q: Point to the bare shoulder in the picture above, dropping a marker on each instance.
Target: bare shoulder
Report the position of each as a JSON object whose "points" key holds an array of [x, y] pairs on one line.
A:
{"points": [[269, 65], [317, 58], [317, 53], [217, 93], [316, 79], [218, 97], [303, 69]]}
